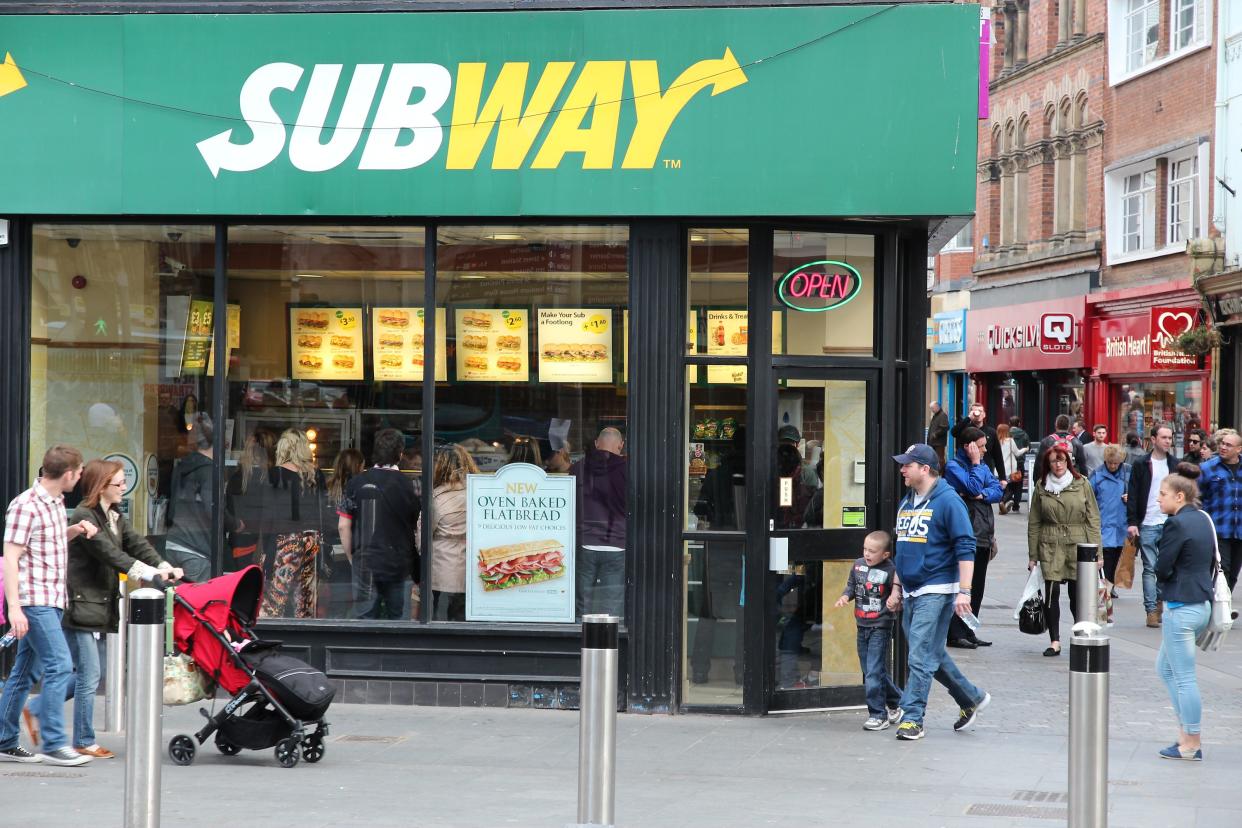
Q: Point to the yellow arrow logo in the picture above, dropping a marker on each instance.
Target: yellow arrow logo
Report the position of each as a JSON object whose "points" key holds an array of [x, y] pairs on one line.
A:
{"points": [[11, 78]]}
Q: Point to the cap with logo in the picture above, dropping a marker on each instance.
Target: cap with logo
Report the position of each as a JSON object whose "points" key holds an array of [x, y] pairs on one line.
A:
{"points": [[920, 453]]}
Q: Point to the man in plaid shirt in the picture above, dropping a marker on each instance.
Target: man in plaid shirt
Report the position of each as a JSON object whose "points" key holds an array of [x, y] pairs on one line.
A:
{"points": [[36, 559], [1220, 488]]}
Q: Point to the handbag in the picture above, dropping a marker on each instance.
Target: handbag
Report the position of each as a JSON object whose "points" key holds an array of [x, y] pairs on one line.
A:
{"points": [[1015, 477], [1124, 576], [184, 683], [1033, 615], [1221, 620]]}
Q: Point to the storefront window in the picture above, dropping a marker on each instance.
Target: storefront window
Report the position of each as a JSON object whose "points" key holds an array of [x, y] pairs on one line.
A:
{"points": [[824, 293], [121, 331], [714, 603], [537, 330], [715, 451], [717, 319], [1144, 405], [328, 353], [821, 454]]}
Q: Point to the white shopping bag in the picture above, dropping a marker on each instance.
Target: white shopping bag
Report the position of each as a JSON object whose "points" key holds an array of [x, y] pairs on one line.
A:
{"points": [[1034, 586]]}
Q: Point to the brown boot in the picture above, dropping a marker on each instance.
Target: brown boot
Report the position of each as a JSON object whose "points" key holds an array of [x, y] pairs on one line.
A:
{"points": [[1153, 618]]}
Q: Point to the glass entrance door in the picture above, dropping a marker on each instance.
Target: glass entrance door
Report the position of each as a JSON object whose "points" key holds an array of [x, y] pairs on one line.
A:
{"points": [[822, 503]]}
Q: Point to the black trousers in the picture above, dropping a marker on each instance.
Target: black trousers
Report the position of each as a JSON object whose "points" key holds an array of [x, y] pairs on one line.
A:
{"points": [[1112, 556], [1052, 595], [957, 627], [1231, 559]]}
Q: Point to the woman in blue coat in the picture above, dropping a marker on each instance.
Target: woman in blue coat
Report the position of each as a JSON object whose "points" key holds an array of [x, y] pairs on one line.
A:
{"points": [[1110, 482]]}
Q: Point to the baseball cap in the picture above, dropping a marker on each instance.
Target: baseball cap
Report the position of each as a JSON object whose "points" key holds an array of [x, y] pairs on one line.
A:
{"points": [[920, 453], [788, 432]]}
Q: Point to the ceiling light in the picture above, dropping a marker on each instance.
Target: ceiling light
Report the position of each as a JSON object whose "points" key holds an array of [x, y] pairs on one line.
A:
{"points": [[308, 276], [697, 237], [504, 237]]}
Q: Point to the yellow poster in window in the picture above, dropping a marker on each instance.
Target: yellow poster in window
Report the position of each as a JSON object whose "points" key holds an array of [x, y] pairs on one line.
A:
{"points": [[398, 348], [728, 334], [326, 343], [575, 345], [492, 344], [233, 323]]}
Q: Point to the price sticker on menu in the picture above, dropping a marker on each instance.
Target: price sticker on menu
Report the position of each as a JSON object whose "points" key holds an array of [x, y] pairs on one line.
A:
{"points": [[513, 321], [598, 323]]}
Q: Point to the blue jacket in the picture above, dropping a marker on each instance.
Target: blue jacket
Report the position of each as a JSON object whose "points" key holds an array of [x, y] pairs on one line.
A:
{"points": [[1220, 489], [1186, 558], [933, 538], [1109, 487], [970, 481]]}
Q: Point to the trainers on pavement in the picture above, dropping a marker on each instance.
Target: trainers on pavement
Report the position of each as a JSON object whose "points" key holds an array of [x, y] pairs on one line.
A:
{"points": [[17, 754], [967, 717], [66, 757], [876, 723], [895, 714], [1153, 618], [910, 731]]}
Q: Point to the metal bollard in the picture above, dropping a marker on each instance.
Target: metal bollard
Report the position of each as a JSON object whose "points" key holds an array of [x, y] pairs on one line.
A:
{"points": [[114, 689], [1088, 582], [597, 733], [142, 710], [1088, 727]]}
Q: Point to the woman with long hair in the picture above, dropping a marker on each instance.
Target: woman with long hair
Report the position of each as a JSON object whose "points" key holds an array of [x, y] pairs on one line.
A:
{"points": [[448, 531], [1185, 566], [525, 450], [92, 586], [1063, 514], [348, 464], [294, 510], [1014, 462], [245, 495]]}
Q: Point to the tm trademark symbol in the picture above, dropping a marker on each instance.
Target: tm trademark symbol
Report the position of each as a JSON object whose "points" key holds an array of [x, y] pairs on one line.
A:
{"points": [[672, 163]]}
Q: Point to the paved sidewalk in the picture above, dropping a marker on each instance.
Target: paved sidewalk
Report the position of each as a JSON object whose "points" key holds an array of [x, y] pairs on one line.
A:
{"points": [[426, 766]]}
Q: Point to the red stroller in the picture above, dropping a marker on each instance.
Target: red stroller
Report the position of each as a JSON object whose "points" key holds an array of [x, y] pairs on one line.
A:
{"points": [[275, 697]]}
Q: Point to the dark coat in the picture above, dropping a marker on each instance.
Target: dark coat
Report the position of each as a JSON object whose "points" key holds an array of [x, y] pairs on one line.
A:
{"points": [[94, 565], [1140, 488], [993, 458], [1186, 557], [602, 483], [938, 429]]}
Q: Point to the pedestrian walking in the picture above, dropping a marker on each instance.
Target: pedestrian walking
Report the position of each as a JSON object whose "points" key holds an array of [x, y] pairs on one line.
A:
{"points": [[1184, 567], [1134, 449], [872, 581], [36, 563], [1195, 440], [1061, 435], [1093, 452], [1143, 514], [1220, 485], [1015, 467], [977, 416], [93, 587], [1208, 450], [1110, 483], [1063, 514], [938, 431], [934, 563], [979, 489]]}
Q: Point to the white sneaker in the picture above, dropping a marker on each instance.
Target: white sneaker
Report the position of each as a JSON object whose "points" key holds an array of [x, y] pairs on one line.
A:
{"points": [[875, 723], [65, 757], [895, 714]]}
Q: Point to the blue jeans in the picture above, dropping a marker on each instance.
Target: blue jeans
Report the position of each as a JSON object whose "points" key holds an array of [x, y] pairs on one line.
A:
{"points": [[873, 647], [42, 650], [1149, 543], [1176, 660], [382, 599], [85, 651], [925, 620]]}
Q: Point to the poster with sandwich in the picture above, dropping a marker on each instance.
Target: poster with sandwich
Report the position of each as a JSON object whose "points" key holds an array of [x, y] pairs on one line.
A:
{"points": [[728, 334], [326, 343], [575, 345], [492, 344], [398, 347], [520, 545]]}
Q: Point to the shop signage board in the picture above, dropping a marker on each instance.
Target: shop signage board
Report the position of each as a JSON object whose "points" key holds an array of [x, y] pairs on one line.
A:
{"points": [[545, 113], [1228, 308], [196, 345], [1013, 338], [1141, 343], [326, 343], [520, 545], [818, 286], [398, 347], [492, 344], [575, 345], [950, 330], [1166, 325]]}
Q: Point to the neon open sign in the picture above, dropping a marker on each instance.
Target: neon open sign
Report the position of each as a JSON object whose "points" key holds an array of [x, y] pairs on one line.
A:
{"points": [[819, 286]]}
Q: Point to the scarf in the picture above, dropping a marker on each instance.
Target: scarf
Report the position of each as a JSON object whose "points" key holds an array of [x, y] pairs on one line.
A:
{"points": [[1056, 485]]}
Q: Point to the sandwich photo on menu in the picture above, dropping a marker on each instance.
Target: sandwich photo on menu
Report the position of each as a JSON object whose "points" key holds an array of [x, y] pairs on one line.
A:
{"points": [[474, 319], [391, 340], [520, 564], [390, 360], [477, 363], [575, 353], [341, 341], [315, 320], [509, 343], [342, 361], [474, 342], [310, 340], [310, 361], [394, 318], [509, 364]]}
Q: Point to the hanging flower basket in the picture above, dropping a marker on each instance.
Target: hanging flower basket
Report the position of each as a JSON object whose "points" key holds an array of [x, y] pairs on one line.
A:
{"points": [[1199, 341]]}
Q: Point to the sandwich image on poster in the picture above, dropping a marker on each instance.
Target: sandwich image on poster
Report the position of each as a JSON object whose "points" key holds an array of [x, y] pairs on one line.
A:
{"points": [[491, 344], [520, 545], [326, 343], [398, 347], [575, 345]]}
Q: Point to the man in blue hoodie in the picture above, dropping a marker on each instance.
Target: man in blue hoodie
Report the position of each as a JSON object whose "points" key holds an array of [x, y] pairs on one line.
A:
{"points": [[935, 556], [979, 489]]}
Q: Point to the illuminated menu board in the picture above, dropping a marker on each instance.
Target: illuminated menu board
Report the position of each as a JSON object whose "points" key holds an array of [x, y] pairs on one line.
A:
{"points": [[492, 344], [326, 343], [575, 345], [728, 334], [398, 349]]}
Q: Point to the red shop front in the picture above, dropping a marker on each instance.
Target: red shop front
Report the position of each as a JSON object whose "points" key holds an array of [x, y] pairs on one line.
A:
{"points": [[1139, 377]]}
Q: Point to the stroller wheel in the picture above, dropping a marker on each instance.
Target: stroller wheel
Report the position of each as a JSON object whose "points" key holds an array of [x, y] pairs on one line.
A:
{"points": [[181, 750], [287, 752], [312, 748], [227, 748]]}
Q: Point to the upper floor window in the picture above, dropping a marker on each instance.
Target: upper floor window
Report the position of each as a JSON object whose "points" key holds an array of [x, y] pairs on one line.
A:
{"points": [[1138, 211], [964, 240], [1187, 24], [1135, 40], [1183, 203], [1142, 33], [1154, 207]]}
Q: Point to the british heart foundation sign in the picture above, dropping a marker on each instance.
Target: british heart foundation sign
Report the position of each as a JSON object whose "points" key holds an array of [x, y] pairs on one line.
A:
{"points": [[1167, 324]]}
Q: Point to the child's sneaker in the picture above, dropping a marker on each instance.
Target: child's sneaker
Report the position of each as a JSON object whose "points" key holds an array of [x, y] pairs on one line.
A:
{"points": [[895, 714], [876, 723]]}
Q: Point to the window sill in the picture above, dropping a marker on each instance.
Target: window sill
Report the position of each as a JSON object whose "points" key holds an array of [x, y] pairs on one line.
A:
{"points": [[1159, 63], [1143, 255]]}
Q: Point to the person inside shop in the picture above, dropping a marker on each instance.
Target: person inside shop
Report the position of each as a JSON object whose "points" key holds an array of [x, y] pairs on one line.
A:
{"points": [[789, 466], [295, 510], [789, 436], [938, 430], [602, 480], [190, 542], [245, 496], [559, 461], [448, 531], [383, 558], [979, 489], [525, 449], [1061, 435], [724, 487], [977, 417]]}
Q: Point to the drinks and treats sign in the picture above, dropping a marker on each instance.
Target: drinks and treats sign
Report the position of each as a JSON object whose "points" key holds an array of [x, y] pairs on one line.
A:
{"points": [[520, 545]]}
